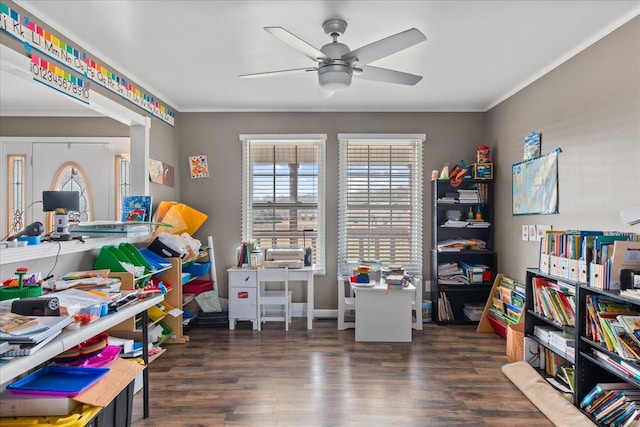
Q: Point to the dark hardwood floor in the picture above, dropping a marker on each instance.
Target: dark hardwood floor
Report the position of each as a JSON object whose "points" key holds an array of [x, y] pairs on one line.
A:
{"points": [[448, 376]]}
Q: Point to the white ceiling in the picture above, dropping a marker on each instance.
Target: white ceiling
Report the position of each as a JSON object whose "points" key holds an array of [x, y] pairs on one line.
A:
{"points": [[189, 53]]}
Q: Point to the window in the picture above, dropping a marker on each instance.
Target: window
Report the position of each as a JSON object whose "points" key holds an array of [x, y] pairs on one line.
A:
{"points": [[71, 177], [283, 192], [123, 180], [380, 200], [16, 206]]}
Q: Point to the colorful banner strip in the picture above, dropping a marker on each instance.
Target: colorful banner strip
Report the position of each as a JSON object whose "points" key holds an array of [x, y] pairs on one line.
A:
{"points": [[109, 80], [35, 37], [59, 79]]}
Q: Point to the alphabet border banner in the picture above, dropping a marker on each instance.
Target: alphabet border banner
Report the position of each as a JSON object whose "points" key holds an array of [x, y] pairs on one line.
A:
{"points": [[33, 36]]}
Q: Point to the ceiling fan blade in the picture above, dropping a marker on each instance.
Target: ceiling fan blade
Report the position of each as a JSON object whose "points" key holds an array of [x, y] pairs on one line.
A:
{"points": [[277, 73], [388, 76], [384, 47], [298, 44]]}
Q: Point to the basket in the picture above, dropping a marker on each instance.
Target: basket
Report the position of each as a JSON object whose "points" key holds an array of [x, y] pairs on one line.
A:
{"points": [[20, 292], [515, 342]]}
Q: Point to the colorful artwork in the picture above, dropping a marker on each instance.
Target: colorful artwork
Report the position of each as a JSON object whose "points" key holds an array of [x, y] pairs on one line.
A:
{"points": [[168, 178], [198, 166], [156, 171], [136, 208]]}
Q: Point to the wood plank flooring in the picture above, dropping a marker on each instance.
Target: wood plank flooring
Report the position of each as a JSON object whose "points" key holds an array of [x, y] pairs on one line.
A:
{"points": [[448, 376]]}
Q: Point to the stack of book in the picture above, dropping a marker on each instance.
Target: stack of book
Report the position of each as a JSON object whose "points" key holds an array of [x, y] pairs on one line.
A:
{"points": [[614, 325], [614, 404], [112, 228], [543, 333], [39, 332], [444, 308], [450, 273], [563, 342], [555, 301], [468, 196], [473, 311]]}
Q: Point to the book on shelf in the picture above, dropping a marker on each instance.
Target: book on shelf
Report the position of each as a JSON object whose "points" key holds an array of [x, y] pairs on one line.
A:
{"points": [[13, 322], [615, 363], [46, 326], [4, 347], [26, 349], [564, 388], [444, 308], [600, 388], [136, 208]]}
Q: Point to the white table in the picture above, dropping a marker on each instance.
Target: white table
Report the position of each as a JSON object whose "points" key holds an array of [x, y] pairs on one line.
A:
{"points": [[245, 278], [383, 315], [304, 274]]}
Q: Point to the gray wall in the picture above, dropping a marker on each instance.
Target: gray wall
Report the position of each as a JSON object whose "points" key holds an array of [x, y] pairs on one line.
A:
{"points": [[451, 137], [163, 143], [590, 108]]}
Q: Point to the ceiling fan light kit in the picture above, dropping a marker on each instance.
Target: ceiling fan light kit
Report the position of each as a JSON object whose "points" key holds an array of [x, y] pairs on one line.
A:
{"points": [[335, 77], [337, 64]]}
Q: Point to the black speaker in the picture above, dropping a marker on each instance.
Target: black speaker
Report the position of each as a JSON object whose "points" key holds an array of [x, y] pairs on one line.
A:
{"points": [[49, 306], [629, 279], [308, 257]]}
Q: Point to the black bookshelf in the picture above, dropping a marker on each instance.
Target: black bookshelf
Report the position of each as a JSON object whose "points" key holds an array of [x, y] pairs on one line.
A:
{"points": [[589, 369], [474, 293]]}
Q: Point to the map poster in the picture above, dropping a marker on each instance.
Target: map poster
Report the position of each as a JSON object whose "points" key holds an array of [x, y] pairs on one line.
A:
{"points": [[535, 185]]}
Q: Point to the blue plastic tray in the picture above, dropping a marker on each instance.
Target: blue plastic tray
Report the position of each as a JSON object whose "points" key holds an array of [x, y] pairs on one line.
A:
{"points": [[154, 259], [58, 380]]}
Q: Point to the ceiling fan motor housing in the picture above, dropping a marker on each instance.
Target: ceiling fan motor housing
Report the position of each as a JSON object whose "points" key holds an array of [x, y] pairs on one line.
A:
{"points": [[335, 76]]}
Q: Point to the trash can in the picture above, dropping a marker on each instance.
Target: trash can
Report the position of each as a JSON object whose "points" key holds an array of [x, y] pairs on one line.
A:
{"points": [[426, 311]]}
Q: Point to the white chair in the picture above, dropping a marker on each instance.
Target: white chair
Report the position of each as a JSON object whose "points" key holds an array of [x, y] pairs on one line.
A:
{"points": [[267, 298], [346, 303]]}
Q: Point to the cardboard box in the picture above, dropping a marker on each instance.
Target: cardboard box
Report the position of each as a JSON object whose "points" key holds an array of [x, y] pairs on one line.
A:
{"points": [[122, 373], [31, 405]]}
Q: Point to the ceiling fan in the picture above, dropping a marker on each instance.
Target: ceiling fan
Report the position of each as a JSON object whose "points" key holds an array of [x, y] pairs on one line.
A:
{"points": [[336, 63]]}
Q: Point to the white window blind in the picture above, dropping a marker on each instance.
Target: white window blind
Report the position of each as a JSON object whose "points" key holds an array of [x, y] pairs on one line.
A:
{"points": [[284, 192], [380, 200]]}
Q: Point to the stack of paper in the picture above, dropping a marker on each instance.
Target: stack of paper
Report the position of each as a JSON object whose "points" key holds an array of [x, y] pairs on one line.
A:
{"points": [[29, 340], [468, 196]]}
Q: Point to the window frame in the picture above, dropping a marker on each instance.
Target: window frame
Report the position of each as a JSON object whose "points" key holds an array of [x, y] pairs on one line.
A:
{"points": [[319, 140], [416, 141]]}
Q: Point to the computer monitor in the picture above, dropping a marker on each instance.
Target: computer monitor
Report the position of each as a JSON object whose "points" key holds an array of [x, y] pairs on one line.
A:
{"points": [[61, 202], [58, 200]]}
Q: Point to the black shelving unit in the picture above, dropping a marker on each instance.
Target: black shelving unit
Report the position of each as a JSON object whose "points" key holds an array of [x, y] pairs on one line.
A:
{"points": [[589, 370], [459, 295], [533, 319]]}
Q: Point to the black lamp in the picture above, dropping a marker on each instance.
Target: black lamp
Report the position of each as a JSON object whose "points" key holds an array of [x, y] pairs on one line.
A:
{"points": [[61, 202]]}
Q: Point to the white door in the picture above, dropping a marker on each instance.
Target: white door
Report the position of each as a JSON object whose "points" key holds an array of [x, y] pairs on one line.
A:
{"points": [[97, 162]]}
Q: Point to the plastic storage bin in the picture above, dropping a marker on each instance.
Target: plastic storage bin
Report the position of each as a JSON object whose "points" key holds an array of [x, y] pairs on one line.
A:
{"points": [[197, 287], [214, 319], [197, 268]]}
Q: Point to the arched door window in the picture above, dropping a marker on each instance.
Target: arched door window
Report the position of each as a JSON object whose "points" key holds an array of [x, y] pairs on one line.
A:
{"points": [[71, 177]]}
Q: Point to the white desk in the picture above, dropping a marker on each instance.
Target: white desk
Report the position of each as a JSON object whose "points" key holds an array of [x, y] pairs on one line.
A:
{"points": [[383, 315], [242, 280]]}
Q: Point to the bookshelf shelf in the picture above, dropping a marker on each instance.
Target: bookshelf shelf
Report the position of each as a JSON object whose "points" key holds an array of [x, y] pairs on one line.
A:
{"points": [[450, 207], [536, 317], [172, 276], [590, 369]]}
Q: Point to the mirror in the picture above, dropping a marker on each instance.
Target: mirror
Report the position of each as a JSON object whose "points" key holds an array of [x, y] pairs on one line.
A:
{"points": [[21, 96]]}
